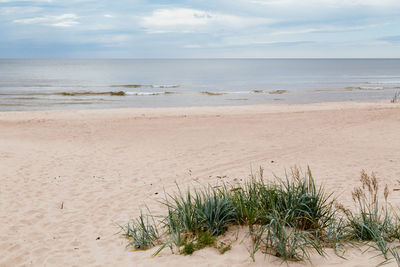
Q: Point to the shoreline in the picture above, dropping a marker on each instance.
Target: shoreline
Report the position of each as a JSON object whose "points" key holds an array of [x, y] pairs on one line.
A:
{"points": [[268, 107], [72, 176]]}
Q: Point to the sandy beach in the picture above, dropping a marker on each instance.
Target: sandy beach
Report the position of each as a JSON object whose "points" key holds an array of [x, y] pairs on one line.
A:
{"points": [[69, 178]]}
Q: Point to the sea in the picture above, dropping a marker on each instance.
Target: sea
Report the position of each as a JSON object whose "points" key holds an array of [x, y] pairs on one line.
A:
{"points": [[46, 84]]}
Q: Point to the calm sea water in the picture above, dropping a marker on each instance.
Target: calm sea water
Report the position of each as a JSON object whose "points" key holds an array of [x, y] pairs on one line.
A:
{"points": [[85, 84]]}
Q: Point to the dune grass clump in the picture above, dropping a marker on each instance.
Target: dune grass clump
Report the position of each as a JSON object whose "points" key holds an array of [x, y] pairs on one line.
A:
{"points": [[196, 217], [207, 210], [373, 221], [253, 200], [216, 211], [288, 218], [305, 205]]}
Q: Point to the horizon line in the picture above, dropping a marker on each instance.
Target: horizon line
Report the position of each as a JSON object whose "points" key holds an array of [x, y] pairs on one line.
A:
{"points": [[199, 58]]}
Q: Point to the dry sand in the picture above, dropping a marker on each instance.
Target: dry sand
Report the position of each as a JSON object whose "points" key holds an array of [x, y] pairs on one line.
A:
{"points": [[68, 178]]}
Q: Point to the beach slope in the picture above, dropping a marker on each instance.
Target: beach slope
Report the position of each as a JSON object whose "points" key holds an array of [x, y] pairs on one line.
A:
{"points": [[69, 178]]}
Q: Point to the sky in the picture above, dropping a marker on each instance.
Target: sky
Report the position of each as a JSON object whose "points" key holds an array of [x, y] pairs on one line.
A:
{"points": [[200, 29]]}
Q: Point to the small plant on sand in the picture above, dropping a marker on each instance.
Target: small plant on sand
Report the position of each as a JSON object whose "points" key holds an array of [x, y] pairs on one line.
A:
{"points": [[188, 248], [216, 211], [201, 241], [205, 239], [222, 247], [142, 233]]}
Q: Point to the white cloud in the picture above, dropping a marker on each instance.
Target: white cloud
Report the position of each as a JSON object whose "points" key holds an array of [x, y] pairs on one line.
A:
{"points": [[109, 16], [329, 3], [64, 20], [185, 20]]}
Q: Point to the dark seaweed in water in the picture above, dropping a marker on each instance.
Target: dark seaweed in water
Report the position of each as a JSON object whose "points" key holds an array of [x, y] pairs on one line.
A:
{"points": [[278, 92], [131, 85], [212, 93], [117, 93]]}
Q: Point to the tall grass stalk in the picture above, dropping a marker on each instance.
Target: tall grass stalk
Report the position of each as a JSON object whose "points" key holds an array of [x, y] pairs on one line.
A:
{"points": [[373, 221]]}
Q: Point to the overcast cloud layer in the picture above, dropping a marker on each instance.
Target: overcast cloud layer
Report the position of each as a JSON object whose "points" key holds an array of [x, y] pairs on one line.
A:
{"points": [[199, 29]]}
